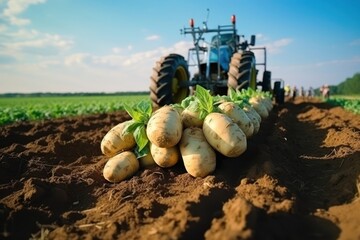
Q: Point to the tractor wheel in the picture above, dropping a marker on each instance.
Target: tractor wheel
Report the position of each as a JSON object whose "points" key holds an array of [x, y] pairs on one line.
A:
{"points": [[242, 72], [168, 83], [279, 92], [266, 82]]}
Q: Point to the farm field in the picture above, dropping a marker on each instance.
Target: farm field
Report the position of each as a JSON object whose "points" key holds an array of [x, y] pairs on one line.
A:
{"points": [[351, 102], [298, 179], [13, 109]]}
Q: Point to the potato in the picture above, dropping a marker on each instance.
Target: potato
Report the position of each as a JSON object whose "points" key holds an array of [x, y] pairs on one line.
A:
{"points": [[191, 119], [115, 141], [147, 161], [254, 121], [164, 128], [259, 107], [267, 102], [120, 167], [249, 108], [239, 116], [198, 156], [165, 157], [224, 135]]}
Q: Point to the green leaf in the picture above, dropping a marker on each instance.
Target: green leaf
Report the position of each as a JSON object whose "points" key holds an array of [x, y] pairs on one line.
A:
{"points": [[194, 106], [145, 151], [205, 99], [240, 103], [186, 101], [134, 113], [145, 107], [177, 107], [131, 126], [140, 137], [203, 115], [232, 94], [220, 99], [140, 112]]}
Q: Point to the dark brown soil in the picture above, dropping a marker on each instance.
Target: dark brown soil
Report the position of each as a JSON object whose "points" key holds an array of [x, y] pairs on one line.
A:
{"points": [[299, 179]]}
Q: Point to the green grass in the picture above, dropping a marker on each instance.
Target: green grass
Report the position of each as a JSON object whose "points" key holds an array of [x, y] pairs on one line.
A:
{"points": [[15, 109]]}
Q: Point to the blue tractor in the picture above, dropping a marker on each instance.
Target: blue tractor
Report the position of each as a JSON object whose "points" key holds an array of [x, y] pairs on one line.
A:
{"points": [[224, 62]]}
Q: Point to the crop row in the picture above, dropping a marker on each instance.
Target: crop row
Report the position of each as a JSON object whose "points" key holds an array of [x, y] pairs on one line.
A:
{"points": [[352, 105], [32, 108]]}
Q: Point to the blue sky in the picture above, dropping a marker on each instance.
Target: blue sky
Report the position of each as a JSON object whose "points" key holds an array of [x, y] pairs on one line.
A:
{"points": [[110, 46]]}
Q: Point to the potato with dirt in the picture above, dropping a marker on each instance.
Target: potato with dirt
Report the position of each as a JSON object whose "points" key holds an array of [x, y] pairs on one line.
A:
{"points": [[254, 120], [164, 128], [190, 116], [147, 161], [120, 167], [116, 140], [198, 156], [165, 157], [260, 107], [224, 135], [239, 116]]}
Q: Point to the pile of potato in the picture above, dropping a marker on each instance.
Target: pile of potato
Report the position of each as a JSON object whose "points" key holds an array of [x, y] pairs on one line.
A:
{"points": [[176, 134]]}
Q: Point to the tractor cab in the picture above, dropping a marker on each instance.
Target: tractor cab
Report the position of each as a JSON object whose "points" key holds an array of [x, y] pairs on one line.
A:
{"points": [[222, 48]]}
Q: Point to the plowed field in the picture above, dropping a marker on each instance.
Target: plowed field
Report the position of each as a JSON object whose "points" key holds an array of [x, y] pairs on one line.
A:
{"points": [[298, 179]]}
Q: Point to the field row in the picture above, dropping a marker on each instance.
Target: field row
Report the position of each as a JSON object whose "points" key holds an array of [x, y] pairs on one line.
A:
{"points": [[37, 108], [349, 103]]}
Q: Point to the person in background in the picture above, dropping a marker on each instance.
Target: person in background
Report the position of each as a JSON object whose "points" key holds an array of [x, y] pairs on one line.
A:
{"points": [[294, 93], [310, 92], [325, 91], [302, 92], [287, 90]]}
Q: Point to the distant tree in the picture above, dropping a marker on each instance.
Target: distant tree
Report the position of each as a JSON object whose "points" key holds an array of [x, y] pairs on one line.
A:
{"points": [[350, 85]]}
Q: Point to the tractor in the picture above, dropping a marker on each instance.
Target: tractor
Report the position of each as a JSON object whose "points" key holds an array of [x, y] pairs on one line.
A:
{"points": [[224, 62]]}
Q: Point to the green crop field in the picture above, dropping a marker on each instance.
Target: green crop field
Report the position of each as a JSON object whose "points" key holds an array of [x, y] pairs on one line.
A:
{"points": [[14, 109], [350, 103]]}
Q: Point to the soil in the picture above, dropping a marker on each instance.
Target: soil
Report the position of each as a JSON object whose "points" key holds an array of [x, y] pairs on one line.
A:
{"points": [[298, 179]]}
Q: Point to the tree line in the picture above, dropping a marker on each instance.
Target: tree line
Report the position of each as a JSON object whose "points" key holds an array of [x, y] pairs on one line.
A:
{"points": [[349, 86]]}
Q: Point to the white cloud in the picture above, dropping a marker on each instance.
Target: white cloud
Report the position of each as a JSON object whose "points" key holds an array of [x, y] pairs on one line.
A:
{"points": [[122, 58], [45, 40], [276, 46], [109, 60], [31, 43], [153, 38], [24, 34], [118, 50], [77, 59], [261, 37], [15, 8], [272, 46]]}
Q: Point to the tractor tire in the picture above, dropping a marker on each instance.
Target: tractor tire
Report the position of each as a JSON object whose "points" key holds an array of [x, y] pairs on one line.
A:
{"points": [[168, 83], [242, 72], [279, 93], [266, 82]]}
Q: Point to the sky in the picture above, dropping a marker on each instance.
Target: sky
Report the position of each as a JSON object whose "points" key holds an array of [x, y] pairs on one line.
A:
{"points": [[112, 46]]}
